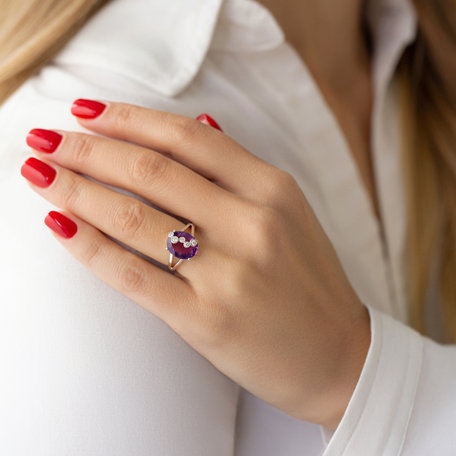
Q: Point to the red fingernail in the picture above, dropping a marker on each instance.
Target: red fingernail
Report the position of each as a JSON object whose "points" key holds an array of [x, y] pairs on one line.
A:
{"points": [[208, 120], [38, 172], [87, 109], [61, 224], [43, 140]]}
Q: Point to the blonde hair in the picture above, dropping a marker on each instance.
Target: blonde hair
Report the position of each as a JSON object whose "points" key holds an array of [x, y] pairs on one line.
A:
{"points": [[429, 163], [32, 32]]}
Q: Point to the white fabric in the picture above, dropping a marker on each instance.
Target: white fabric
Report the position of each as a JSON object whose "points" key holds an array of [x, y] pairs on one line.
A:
{"points": [[87, 371]]}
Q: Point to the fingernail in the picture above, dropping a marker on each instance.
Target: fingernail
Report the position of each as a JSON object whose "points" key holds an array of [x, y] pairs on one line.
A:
{"points": [[87, 109], [208, 120], [43, 140], [38, 172], [61, 224]]}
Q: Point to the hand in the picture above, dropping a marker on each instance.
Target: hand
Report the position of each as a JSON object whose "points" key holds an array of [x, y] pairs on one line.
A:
{"points": [[265, 300]]}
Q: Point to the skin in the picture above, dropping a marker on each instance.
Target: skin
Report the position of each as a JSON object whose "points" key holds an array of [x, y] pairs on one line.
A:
{"points": [[269, 305], [340, 67]]}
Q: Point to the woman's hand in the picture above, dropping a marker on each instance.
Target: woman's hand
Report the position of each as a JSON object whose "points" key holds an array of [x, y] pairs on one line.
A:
{"points": [[265, 300]]}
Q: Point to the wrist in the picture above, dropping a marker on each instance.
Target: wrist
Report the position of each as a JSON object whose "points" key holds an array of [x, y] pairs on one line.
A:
{"points": [[348, 370]]}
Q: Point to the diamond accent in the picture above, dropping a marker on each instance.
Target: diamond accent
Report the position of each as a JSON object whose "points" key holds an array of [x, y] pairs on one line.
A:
{"points": [[182, 245]]}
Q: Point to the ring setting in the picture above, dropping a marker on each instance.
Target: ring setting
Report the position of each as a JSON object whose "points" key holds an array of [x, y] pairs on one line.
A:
{"points": [[181, 245]]}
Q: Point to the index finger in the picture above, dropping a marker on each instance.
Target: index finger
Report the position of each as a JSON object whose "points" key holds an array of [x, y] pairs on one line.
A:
{"points": [[202, 148]]}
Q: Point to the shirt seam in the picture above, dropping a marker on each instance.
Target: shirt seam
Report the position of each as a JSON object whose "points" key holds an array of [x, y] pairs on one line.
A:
{"points": [[379, 352], [412, 409]]}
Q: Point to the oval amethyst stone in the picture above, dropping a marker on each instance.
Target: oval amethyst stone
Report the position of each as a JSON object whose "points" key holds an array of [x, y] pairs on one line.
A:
{"points": [[182, 245]]}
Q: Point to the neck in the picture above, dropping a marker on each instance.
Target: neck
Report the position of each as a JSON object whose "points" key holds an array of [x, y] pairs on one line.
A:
{"points": [[329, 35]]}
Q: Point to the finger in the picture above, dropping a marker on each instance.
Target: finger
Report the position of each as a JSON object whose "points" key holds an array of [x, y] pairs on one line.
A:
{"points": [[200, 147], [162, 293], [122, 217], [160, 180], [208, 120]]}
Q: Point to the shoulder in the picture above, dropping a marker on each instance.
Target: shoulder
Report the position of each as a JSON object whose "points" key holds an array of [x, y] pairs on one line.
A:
{"points": [[136, 51], [145, 52]]}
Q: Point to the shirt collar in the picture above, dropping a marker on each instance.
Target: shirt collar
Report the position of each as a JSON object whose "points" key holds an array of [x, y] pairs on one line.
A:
{"points": [[246, 26], [160, 44], [393, 24], [169, 41]]}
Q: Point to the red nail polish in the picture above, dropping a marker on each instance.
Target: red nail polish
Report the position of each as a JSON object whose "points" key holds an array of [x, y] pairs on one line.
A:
{"points": [[61, 224], [38, 172], [43, 140], [208, 120], [87, 109]]}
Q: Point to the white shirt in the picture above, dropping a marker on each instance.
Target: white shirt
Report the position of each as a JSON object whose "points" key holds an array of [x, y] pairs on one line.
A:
{"points": [[87, 371]]}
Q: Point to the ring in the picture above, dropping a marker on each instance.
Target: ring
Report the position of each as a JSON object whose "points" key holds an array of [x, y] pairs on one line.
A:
{"points": [[181, 245]]}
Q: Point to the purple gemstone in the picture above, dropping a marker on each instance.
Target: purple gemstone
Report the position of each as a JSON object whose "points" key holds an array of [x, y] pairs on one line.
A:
{"points": [[183, 250]]}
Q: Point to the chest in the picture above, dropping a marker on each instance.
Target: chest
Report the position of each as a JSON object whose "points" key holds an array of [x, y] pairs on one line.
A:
{"points": [[353, 113], [357, 133], [329, 155]]}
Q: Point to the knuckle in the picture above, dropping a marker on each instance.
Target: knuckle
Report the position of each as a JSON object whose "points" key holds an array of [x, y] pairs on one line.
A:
{"points": [[132, 277], [82, 146], [148, 168], [128, 218], [285, 180], [281, 191], [124, 116], [72, 195], [218, 325], [262, 230], [186, 129], [263, 221], [241, 275], [281, 182], [91, 253]]}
